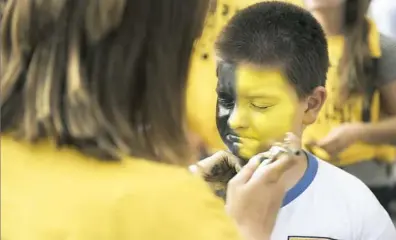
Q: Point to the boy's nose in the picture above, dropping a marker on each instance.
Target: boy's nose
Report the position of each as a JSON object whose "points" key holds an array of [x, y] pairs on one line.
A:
{"points": [[237, 119]]}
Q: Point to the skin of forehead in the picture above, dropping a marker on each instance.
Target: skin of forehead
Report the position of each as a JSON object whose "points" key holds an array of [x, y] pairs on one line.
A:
{"points": [[253, 80]]}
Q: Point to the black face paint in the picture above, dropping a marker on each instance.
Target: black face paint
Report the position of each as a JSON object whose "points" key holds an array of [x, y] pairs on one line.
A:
{"points": [[226, 98]]}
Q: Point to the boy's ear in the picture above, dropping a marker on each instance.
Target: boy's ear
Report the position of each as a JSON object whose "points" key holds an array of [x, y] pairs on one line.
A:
{"points": [[314, 103]]}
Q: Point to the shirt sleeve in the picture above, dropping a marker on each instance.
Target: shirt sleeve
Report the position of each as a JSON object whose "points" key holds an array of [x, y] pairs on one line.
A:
{"points": [[388, 232], [378, 227], [184, 210], [375, 222]]}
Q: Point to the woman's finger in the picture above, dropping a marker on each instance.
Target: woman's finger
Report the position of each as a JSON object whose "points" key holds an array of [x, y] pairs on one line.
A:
{"points": [[273, 171], [246, 172], [207, 164], [292, 140]]}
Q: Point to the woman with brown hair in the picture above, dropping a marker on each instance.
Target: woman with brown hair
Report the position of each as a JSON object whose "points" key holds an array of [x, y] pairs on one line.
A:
{"points": [[357, 125], [92, 127]]}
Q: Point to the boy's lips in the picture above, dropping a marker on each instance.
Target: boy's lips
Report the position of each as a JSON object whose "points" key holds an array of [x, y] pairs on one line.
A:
{"points": [[234, 138]]}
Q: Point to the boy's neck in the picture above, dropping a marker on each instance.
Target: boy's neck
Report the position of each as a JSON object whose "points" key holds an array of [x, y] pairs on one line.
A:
{"points": [[293, 175]]}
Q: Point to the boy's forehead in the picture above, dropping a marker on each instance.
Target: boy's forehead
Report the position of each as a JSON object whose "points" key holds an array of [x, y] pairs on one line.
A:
{"points": [[247, 77], [254, 79]]}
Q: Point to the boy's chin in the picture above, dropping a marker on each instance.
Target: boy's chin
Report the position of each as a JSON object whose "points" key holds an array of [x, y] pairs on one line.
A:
{"points": [[246, 154], [243, 159]]}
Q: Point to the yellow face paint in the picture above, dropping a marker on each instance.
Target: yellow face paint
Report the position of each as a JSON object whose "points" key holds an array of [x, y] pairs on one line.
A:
{"points": [[259, 106]]}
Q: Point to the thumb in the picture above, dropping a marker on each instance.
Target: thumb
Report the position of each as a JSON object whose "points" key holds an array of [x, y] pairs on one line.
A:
{"points": [[210, 161], [206, 164]]}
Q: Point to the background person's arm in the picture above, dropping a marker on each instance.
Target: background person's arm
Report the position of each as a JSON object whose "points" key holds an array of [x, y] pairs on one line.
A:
{"points": [[384, 132]]}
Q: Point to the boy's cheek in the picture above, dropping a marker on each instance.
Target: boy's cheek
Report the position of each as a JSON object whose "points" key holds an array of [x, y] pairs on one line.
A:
{"points": [[248, 148]]}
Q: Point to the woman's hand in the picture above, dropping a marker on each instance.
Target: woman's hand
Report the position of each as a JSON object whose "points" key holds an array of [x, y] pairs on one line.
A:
{"points": [[217, 170], [255, 194]]}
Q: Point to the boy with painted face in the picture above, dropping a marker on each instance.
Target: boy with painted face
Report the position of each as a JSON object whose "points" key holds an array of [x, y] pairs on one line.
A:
{"points": [[272, 68]]}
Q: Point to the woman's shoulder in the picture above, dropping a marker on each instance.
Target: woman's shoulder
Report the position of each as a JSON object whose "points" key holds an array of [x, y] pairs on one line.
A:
{"points": [[128, 198], [129, 174], [177, 204], [130, 171], [176, 184]]}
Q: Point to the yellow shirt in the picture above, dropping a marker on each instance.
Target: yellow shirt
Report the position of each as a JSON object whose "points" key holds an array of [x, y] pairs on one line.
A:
{"points": [[61, 194]]}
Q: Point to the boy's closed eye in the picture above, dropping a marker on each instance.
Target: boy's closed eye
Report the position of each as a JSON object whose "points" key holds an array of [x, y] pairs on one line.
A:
{"points": [[260, 103], [260, 106]]}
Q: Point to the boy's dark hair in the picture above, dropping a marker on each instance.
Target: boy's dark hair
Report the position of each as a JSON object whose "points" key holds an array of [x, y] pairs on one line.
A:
{"points": [[106, 77], [281, 35]]}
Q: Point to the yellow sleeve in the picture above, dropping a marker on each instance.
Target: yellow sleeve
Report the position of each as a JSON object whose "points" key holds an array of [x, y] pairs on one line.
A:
{"points": [[185, 210]]}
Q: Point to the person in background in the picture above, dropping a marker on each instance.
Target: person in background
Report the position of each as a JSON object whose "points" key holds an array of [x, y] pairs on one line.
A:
{"points": [[356, 129], [383, 12], [93, 142]]}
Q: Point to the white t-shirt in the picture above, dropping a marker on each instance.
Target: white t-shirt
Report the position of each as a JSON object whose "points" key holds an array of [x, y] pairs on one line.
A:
{"points": [[384, 14], [329, 203]]}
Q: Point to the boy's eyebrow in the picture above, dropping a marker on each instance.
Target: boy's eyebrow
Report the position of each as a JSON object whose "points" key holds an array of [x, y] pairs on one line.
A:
{"points": [[259, 95], [256, 96]]}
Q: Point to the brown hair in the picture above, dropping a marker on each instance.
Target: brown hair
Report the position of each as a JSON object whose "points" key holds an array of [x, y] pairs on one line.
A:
{"points": [[106, 77], [2, 4], [356, 68]]}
